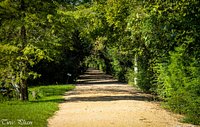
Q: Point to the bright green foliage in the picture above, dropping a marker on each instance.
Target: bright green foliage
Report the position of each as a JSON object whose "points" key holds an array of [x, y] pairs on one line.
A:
{"points": [[95, 62], [39, 39], [153, 45], [178, 69], [178, 83]]}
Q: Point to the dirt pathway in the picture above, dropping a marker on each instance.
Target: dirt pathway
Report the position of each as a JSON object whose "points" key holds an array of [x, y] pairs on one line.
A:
{"points": [[101, 101]]}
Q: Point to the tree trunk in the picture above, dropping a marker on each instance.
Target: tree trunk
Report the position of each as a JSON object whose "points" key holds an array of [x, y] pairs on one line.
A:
{"points": [[23, 78], [24, 91], [23, 67]]}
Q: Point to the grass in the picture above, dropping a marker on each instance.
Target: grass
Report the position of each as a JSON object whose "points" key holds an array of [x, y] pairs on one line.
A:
{"points": [[43, 102]]}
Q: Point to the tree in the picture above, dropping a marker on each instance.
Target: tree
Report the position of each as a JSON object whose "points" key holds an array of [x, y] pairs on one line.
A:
{"points": [[23, 46]]}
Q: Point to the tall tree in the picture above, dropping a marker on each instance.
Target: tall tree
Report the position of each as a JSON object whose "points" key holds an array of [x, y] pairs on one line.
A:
{"points": [[23, 42]]}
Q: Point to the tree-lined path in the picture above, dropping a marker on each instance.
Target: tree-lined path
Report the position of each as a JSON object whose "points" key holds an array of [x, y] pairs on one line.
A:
{"points": [[101, 101]]}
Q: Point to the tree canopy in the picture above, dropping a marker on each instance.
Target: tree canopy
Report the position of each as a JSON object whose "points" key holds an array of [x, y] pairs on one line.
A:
{"points": [[153, 45]]}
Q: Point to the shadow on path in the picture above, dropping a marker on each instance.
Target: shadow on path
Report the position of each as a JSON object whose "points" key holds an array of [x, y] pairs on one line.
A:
{"points": [[109, 98], [95, 86]]}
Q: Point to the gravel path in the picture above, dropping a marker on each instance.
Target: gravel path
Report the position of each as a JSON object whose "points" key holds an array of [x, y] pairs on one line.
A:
{"points": [[101, 101]]}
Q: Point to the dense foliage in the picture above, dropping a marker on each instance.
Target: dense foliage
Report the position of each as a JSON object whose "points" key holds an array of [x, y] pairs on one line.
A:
{"points": [[153, 45], [39, 40]]}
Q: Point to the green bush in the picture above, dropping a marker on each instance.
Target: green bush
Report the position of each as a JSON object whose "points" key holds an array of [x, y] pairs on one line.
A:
{"points": [[131, 76], [178, 84]]}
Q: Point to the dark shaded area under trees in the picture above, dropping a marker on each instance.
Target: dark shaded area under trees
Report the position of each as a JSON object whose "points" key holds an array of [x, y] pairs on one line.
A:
{"points": [[153, 45]]}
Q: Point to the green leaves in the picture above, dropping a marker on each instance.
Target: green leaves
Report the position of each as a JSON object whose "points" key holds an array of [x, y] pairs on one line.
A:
{"points": [[8, 49], [26, 40], [53, 38], [116, 12], [33, 54], [8, 5], [164, 35]]}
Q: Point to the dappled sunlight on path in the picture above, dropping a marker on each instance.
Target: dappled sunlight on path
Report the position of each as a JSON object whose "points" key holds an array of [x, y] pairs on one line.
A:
{"points": [[101, 101]]}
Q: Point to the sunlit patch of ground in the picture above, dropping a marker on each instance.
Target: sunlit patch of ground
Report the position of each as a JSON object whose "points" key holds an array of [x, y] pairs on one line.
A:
{"points": [[101, 101]]}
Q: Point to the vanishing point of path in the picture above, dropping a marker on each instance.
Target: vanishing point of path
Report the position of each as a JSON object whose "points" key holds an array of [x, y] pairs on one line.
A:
{"points": [[101, 101]]}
